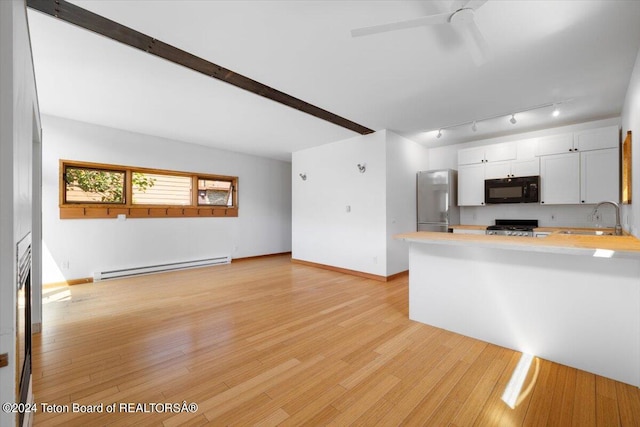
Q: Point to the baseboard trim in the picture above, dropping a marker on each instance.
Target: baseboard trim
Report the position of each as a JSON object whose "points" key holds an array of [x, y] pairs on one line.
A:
{"points": [[351, 272], [250, 258], [69, 282]]}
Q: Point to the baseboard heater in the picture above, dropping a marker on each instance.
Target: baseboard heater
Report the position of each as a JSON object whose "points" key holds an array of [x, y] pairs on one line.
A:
{"points": [[135, 271]]}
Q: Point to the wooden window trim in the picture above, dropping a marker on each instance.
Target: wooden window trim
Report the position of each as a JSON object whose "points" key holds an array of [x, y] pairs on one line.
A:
{"points": [[112, 210]]}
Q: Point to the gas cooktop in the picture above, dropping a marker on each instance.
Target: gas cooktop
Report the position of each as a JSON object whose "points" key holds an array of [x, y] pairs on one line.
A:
{"points": [[513, 227]]}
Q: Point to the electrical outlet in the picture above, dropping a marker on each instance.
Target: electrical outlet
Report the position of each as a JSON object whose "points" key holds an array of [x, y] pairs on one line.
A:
{"points": [[65, 265], [375, 259]]}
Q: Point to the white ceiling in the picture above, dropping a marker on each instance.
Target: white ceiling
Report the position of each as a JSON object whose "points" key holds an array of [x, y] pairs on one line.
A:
{"points": [[408, 81]]}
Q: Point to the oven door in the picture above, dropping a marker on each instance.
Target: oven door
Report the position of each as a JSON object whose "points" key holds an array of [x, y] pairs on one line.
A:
{"points": [[507, 190]]}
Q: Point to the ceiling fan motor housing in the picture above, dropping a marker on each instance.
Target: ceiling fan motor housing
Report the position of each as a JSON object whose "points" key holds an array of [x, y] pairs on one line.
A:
{"points": [[462, 17]]}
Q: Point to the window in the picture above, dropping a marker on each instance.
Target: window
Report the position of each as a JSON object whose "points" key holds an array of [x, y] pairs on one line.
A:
{"points": [[88, 185], [92, 190], [215, 193], [156, 189]]}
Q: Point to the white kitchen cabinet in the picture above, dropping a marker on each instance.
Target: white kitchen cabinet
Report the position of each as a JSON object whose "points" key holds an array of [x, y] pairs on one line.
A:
{"points": [[526, 149], [560, 179], [500, 152], [555, 144], [586, 140], [512, 169], [487, 153], [497, 170], [470, 156], [471, 185], [599, 176], [580, 178], [597, 139], [530, 167]]}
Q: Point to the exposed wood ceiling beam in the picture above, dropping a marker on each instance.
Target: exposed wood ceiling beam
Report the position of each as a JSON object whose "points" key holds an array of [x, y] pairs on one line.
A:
{"points": [[88, 20]]}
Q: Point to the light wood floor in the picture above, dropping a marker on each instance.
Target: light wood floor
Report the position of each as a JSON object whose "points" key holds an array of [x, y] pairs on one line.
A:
{"points": [[267, 342]]}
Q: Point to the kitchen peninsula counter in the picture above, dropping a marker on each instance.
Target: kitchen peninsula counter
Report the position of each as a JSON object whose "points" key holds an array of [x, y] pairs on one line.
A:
{"points": [[572, 299], [626, 246]]}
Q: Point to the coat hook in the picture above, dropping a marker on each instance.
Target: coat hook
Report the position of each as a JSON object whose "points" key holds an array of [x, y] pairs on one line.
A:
{"points": [[362, 167], [303, 176]]}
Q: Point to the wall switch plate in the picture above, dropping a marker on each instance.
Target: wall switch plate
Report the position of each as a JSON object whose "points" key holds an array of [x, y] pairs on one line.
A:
{"points": [[4, 360]]}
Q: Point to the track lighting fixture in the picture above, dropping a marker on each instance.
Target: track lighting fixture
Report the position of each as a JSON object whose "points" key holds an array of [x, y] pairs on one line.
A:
{"points": [[512, 120]]}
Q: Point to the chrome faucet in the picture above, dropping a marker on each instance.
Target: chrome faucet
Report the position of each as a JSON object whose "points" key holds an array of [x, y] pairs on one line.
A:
{"points": [[618, 226]]}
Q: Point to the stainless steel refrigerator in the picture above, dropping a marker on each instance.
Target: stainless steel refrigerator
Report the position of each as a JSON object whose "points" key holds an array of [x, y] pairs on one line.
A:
{"points": [[437, 200]]}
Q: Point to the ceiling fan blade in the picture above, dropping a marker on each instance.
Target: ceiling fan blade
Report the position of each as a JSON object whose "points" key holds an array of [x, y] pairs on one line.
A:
{"points": [[441, 18], [475, 42], [466, 4], [475, 4]]}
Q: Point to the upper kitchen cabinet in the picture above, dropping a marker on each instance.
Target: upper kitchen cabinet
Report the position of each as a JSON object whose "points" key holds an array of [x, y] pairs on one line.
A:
{"points": [[592, 139], [555, 144], [488, 153], [471, 185], [599, 176], [560, 179], [586, 173], [597, 139], [511, 169]]}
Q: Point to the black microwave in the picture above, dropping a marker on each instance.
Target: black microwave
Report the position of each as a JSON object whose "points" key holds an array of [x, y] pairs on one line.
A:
{"points": [[512, 190]]}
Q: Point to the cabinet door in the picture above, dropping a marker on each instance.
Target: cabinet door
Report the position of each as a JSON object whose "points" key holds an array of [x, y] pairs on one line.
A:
{"points": [[526, 149], [600, 179], [596, 139], [470, 156], [555, 144], [497, 170], [471, 185], [500, 152], [560, 179], [525, 167]]}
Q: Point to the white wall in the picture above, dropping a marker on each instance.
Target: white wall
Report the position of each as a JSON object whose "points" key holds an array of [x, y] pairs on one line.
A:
{"points": [[549, 216], [631, 121], [18, 129], [89, 245], [381, 201], [404, 159]]}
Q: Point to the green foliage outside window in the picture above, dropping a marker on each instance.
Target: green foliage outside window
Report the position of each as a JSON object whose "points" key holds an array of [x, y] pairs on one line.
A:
{"points": [[108, 186]]}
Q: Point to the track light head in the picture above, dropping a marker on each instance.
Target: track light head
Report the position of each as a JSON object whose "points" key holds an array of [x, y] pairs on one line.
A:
{"points": [[556, 112], [513, 119], [439, 133], [474, 127]]}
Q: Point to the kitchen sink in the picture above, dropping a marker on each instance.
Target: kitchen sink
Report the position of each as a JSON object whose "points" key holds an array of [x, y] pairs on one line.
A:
{"points": [[587, 232]]}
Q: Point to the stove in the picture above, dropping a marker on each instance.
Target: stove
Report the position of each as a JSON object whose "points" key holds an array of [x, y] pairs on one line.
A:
{"points": [[513, 227]]}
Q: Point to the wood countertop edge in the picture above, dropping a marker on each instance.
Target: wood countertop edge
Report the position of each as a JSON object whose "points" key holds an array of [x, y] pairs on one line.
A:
{"points": [[622, 246]]}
